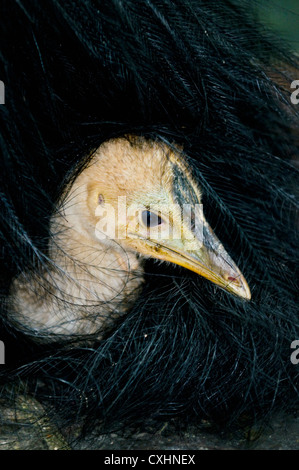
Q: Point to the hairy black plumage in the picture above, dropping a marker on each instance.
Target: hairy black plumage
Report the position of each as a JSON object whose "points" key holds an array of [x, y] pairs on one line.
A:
{"points": [[200, 73]]}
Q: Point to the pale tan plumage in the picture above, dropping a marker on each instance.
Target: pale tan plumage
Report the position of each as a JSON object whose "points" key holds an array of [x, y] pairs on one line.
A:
{"points": [[93, 280]]}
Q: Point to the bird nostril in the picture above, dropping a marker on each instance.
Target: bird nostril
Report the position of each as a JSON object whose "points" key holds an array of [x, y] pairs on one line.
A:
{"points": [[232, 279]]}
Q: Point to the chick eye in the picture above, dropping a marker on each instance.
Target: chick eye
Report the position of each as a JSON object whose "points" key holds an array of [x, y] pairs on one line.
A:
{"points": [[150, 219]]}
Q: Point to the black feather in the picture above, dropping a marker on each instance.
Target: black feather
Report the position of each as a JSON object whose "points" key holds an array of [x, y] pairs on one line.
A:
{"points": [[203, 74]]}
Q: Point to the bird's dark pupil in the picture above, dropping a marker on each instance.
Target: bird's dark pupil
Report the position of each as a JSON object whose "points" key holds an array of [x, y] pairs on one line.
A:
{"points": [[150, 219]]}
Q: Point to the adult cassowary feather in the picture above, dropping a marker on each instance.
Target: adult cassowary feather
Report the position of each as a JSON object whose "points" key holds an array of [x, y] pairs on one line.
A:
{"points": [[200, 79]]}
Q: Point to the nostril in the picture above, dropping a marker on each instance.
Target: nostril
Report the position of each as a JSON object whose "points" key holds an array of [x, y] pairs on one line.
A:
{"points": [[233, 279]]}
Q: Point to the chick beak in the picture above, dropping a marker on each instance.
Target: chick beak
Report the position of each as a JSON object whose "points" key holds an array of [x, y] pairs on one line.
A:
{"points": [[206, 256]]}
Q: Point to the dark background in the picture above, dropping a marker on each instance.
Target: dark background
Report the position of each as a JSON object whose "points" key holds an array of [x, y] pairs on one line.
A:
{"points": [[283, 17]]}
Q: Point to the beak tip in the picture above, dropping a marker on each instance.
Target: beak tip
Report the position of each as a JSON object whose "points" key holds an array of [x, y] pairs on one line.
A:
{"points": [[237, 285], [246, 295], [244, 291]]}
